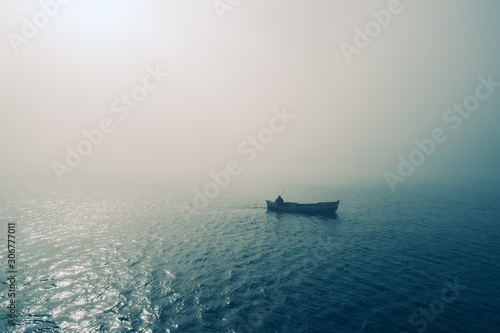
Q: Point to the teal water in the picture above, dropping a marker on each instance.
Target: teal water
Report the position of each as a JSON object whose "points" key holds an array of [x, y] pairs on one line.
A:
{"points": [[124, 261]]}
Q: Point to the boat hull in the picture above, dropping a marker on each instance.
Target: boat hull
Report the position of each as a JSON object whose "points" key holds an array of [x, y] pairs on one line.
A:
{"points": [[292, 207]]}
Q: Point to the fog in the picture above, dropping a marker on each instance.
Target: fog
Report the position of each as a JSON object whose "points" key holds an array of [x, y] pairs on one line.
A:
{"points": [[275, 68]]}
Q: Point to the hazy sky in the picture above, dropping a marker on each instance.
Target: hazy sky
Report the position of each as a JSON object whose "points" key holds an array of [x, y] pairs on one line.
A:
{"points": [[353, 119]]}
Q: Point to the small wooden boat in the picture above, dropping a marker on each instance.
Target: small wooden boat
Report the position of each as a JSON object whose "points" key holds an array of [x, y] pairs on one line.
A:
{"points": [[293, 207]]}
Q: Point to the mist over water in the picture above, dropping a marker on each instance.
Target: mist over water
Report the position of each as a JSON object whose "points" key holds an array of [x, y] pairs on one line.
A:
{"points": [[93, 62], [139, 142]]}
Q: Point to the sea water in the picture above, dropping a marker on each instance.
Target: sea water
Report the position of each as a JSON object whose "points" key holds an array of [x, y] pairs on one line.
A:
{"points": [[422, 259]]}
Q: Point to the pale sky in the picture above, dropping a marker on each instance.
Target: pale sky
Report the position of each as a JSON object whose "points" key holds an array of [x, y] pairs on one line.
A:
{"points": [[353, 119]]}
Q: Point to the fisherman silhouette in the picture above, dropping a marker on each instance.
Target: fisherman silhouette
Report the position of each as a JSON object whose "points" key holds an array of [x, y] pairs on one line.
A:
{"points": [[279, 200]]}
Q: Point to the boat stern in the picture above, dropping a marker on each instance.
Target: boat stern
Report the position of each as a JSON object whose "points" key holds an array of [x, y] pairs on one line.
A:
{"points": [[268, 203]]}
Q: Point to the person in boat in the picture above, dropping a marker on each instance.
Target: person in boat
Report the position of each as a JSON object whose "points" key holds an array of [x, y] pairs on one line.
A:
{"points": [[279, 200]]}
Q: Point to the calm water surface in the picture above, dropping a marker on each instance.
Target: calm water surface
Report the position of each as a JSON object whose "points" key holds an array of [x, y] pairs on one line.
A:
{"points": [[425, 259]]}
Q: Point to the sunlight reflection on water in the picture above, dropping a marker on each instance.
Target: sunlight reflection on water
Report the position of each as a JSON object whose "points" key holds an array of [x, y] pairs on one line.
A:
{"points": [[108, 261]]}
